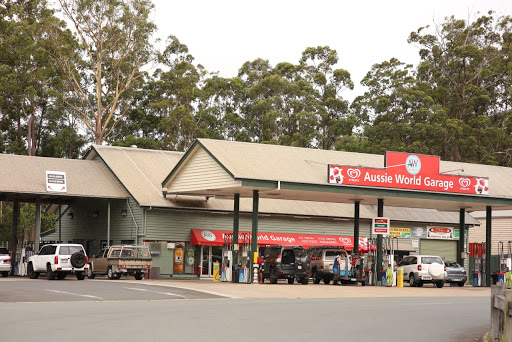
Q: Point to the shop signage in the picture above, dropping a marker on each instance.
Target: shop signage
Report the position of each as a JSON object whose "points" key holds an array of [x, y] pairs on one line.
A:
{"points": [[217, 238], [436, 232], [380, 225], [401, 233], [56, 181], [418, 231], [408, 171]]}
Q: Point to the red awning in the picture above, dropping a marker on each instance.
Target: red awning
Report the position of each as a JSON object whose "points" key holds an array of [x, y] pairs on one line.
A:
{"points": [[219, 237]]}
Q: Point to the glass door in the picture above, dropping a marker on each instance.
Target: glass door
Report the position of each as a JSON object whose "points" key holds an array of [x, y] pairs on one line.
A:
{"points": [[209, 255]]}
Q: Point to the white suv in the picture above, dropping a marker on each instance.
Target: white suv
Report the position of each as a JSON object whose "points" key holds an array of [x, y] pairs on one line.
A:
{"points": [[420, 269], [59, 260], [5, 262]]}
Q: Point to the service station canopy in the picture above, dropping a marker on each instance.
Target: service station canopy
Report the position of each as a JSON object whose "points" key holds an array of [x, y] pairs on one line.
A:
{"points": [[225, 168]]}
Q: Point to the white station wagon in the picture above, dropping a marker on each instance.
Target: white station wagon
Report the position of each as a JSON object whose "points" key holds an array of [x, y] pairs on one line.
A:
{"points": [[420, 269]]}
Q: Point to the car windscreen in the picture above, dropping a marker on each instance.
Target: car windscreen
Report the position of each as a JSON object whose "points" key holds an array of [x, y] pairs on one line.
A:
{"points": [[143, 252], [3, 250], [69, 250], [299, 252], [452, 264], [431, 259], [331, 255]]}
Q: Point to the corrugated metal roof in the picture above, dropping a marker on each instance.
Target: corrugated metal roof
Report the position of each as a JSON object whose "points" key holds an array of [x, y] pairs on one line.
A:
{"points": [[304, 165], [85, 178], [141, 171]]}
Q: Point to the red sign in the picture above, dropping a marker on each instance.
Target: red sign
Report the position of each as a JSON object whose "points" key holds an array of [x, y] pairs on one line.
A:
{"points": [[411, 172], [217, 238]]}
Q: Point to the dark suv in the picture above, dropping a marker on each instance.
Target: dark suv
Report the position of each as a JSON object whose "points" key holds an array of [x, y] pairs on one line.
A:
{"points": [[286, 262]]}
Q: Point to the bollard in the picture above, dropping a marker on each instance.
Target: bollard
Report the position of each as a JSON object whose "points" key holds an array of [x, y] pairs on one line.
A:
{"points": [[400, 277]]}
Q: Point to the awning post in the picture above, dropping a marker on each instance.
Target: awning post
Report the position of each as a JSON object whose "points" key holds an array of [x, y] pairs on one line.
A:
{"points": [[380, 213], [254, 239], [462, 226], [488, 243], [356, 227], [37, 234], [14, 235], [236, 225]]}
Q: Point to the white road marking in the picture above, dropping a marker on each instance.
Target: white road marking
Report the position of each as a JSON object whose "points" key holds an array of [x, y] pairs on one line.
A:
{"points": [[74, 294], [164, 293]]}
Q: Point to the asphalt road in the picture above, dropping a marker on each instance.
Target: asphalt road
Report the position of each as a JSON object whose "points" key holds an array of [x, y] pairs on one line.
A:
{"points": [[158, 313], [24, 290]]}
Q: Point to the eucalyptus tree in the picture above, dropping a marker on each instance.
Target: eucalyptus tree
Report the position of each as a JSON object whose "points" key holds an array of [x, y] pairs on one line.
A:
{"points": [[30, 113], [396, 110], [114, 46], [467, 65], [327, 85], [221, 100]]}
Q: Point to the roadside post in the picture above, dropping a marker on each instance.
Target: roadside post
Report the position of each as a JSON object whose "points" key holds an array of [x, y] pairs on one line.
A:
{"points": [[400, 277]]}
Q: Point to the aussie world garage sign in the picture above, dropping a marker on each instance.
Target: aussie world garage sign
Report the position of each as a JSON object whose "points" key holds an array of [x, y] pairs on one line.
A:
{"points": [[411, 172]]}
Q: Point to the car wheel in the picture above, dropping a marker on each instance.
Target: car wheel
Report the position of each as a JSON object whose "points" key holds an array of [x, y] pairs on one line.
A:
{"points": [[80, 275], [290, 280], [90, 274], [61, 275], [78, 260], [316, 280], [110, 274], [461, 284], [49, 274], [412, 281], [327, 281], [419, 283], [5, 274], [138, 276], [31, 273], [273, 277], [305, 281], [440, 284]]}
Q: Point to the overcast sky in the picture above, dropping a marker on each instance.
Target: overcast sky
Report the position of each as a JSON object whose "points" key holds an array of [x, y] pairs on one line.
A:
{"points": [[224, 34]]}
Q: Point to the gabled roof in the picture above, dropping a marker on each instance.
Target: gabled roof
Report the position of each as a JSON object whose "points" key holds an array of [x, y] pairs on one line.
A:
{"points": [[141, 171], [24, 178], [301, 174]]}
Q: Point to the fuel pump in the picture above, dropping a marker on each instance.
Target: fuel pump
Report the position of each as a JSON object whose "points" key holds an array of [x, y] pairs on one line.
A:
{"points": [[245, 258], [508, 274], [477, 271], [227, 258], [482, 269], [371, 264], [504, 274], [503, 263]]}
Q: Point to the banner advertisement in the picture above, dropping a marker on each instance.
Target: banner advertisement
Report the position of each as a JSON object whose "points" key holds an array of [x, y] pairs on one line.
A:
{"points": [[408, 171], [401, 233], [436, 232]]}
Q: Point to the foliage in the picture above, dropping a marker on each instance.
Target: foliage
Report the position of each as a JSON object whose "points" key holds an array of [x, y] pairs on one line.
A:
{"points": [[101, 71], [29, 109]]}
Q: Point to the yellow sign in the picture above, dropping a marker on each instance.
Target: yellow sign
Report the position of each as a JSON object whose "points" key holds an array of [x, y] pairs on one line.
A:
{"points": [[400, 233], [216, 271]]}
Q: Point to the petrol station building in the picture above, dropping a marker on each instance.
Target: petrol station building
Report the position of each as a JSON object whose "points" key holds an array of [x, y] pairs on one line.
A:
{"points": [[183, 205]]}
